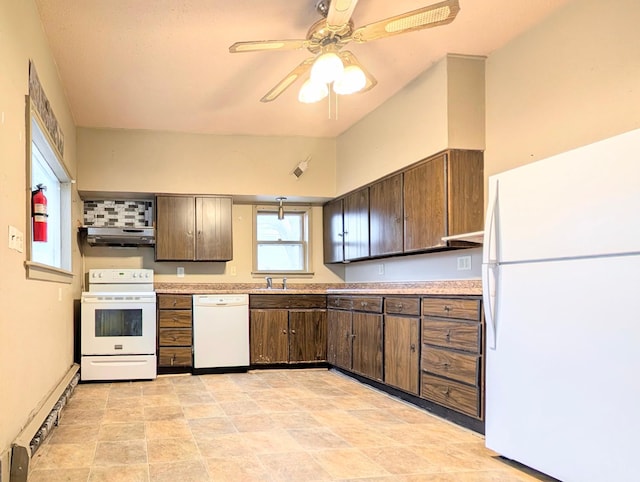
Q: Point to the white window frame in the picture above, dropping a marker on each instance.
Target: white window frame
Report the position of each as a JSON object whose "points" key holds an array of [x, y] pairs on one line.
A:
{"points": [[61, 269], [305, 243]]}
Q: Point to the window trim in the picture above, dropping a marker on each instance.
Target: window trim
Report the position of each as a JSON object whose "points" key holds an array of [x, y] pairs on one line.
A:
{"points": [[36, 270], [306, 243]]}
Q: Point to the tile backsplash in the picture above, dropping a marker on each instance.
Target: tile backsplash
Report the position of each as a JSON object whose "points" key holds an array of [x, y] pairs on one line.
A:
{"points": [[128, 213]]}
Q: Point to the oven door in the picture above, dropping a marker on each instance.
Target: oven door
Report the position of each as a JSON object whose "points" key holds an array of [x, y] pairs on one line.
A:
{"points": [[118, 324]]}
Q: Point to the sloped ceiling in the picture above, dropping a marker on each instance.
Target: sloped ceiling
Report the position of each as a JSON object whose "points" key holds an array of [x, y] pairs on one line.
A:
{"points": [[165, 65]]}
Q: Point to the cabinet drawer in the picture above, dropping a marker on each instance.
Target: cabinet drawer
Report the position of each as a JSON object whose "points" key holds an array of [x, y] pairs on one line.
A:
{"points": [[174, 357], [283, 301], [176, 302], [452, 334], [371, 304], [340, 302], [402, 306], [174, 318], [175, 336], [451, 394], [451, 308], [458, 366]]}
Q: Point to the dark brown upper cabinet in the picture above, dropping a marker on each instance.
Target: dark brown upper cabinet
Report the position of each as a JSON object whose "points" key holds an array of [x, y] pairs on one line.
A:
{"points": [[193, 228]]}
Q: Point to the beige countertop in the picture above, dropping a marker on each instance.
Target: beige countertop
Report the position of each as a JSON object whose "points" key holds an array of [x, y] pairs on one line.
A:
{"points": [[444, 287]]}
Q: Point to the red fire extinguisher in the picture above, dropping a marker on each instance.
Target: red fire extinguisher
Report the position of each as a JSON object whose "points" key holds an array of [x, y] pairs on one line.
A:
{"points": [[39, 213]]}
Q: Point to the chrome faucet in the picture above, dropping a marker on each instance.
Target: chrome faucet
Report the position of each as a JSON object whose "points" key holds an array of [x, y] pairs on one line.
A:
{"points": [[284, 283], [269, 282]]}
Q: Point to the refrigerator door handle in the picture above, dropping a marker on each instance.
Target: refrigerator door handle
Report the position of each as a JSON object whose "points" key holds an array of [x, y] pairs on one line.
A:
{"points": [[490, 268], [490, 275]]}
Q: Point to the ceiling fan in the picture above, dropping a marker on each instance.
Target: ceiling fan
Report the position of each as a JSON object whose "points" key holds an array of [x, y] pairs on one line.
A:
{"points": [[326, 38]]}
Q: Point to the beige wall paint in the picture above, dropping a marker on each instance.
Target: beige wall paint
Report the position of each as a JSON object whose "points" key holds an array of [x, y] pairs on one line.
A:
{"points": [[36, 320], [157, 162], [570, 81], [102, 257], [443, 107]]}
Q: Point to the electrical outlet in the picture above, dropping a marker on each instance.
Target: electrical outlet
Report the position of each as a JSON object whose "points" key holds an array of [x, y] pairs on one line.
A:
{"points": [[180, 272], [464, 263], [232, 271], [381, 269]]}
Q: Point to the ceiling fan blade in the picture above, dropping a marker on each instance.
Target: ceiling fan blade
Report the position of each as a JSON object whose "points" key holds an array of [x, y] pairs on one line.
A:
{"points": [[262, 45], [339, 14], [349, 59], [290, 78], [434, 15]]}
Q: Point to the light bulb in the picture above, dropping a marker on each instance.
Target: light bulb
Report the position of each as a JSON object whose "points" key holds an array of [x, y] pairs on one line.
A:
{"points": [[327, 68], [352, 80], [311, 92]]}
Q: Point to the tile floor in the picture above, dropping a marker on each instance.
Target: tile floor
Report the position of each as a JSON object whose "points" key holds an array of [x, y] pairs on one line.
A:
{"points": [[267, 425]]}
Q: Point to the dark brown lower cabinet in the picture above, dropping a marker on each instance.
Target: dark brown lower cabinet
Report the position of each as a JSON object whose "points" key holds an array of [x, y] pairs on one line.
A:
{"points": [[401, 352], [287, 329], [367, 344], [269, 336], [307, 336], [339, 345], [175, 332], [452, 362]]}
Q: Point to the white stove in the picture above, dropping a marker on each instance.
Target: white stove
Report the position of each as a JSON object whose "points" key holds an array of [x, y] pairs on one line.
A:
{"points": [[118, 325]]}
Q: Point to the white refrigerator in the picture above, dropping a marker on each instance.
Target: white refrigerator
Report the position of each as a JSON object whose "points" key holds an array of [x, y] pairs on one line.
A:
{"points": [[561, 287]]}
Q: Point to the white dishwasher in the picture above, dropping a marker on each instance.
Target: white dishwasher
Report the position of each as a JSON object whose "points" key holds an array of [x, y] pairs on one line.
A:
{"points": [[220, 331]]}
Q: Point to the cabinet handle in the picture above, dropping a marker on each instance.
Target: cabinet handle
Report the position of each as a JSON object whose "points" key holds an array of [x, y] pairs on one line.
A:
{"points": [[413, 347], [445, 365], [447, 308], [364, 304], [175, 302], [284, 332], [399, 307], [293, 332], [446, 392], [173, 359], [448, 335], [340, 234]]}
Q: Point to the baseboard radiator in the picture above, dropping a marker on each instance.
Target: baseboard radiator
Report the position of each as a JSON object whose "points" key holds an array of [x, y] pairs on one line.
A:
{"points": [[40, 425]]}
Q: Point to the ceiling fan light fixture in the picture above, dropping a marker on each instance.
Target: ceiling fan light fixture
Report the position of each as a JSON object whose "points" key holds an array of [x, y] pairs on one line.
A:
{"points": [[353, 80], [327, 68], [312, 92]]}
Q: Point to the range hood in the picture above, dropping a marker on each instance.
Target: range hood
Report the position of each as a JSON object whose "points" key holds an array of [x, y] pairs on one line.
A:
{"points": [[114, 236]]}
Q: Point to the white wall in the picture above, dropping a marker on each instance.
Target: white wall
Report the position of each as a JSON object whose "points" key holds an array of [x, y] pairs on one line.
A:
{"points": [[569, 81], [36, 320], [165, 162]]}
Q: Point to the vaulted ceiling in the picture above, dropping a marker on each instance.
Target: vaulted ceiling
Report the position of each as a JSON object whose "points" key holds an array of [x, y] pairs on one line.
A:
{"points": [[165, 64]]}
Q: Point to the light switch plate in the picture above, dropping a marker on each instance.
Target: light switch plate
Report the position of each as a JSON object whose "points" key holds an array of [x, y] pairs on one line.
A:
{"points": [[180, 272]]}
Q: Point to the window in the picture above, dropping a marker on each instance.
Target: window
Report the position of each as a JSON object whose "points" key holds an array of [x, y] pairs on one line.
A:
{"points": [[281, 245], [50, 259]]}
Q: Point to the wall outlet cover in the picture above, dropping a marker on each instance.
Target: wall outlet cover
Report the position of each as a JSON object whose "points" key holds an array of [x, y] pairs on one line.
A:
{"points": [[180, 272], [464, 263]]}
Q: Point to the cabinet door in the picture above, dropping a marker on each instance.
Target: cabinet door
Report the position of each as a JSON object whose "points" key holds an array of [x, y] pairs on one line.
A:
{"points": [[466, 191], [333, 230], [356, 225], [367, 345], [401, 342], [269, 336], [213, 229], [385, 208], [424, 205], [339, 349], [175, 221], [307, 335]]}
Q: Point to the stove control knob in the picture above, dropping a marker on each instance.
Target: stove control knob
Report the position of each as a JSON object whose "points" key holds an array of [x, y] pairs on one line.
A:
{"points": [[135, 275]]}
